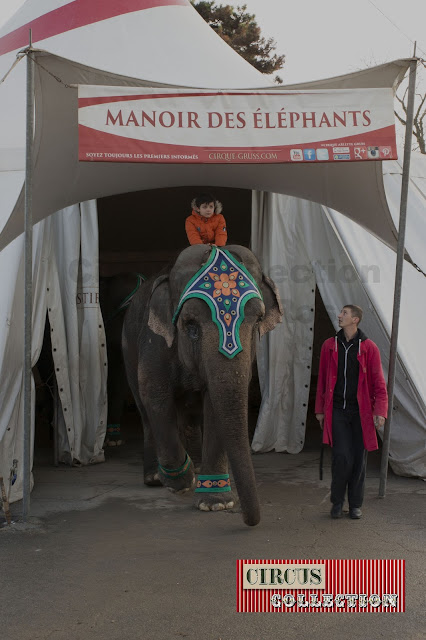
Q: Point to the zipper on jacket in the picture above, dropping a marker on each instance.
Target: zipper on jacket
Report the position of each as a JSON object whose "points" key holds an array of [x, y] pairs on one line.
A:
{"points": [[344, 372]]}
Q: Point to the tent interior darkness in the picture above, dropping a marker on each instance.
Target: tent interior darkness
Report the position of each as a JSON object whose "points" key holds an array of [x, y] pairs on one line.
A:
{"points": [[142, 231]]}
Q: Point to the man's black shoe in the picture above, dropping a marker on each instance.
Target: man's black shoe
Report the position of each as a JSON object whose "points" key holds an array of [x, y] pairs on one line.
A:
{"points": [[355, 513], [336, 511]]}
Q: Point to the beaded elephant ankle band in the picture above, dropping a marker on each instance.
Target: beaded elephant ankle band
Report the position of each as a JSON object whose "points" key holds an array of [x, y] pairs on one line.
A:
{"points": [[113, 436], [113, 430], [219, 483], [176, 473]]}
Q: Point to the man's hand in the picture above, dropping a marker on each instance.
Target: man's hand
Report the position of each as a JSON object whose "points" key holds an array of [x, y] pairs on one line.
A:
{"points": [[320, 418], [379, 421]]}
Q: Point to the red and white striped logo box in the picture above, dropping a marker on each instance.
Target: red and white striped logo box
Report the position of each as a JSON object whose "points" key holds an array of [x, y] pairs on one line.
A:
{"points": [[321, 586]]}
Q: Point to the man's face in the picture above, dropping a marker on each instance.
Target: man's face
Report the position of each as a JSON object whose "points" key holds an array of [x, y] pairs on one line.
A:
{"points": [[206, 209], [346, 319]]}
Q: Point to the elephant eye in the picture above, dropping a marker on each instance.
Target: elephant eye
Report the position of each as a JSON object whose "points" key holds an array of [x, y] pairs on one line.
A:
{"points": [[192, 330]]}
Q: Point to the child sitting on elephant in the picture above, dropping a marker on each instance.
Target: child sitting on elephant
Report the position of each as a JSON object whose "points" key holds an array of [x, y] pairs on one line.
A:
{"points": [[206, 224]]}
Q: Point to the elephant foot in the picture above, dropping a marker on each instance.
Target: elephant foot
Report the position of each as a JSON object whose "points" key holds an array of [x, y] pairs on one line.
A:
{"points": [[114, 443], [182, 491], [214, 501], [152, 479], [178, 480], [180, 485]]}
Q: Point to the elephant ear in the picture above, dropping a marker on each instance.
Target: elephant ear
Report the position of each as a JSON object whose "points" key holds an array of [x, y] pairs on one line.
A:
{"points": [[273, 307], [160, 310]]}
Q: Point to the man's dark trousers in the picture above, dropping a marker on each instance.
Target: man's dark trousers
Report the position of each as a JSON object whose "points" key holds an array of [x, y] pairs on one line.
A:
{"points": [[349, 458]]}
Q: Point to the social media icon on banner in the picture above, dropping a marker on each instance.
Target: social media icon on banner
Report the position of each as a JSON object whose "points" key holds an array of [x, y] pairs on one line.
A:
{"points": [[296, 155], [373, 153], [385, 152], [360, 153], [322, 154], [309, 154]]}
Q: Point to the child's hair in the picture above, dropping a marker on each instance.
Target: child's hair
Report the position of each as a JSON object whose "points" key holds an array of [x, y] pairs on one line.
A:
{"points": [[206, 198]]}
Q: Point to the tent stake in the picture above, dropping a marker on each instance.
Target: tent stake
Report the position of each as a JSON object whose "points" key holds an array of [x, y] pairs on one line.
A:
{"points": [[28, 284], [398, 274]]}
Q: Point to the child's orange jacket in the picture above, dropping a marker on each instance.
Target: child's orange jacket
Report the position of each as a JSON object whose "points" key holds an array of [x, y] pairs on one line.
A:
{"points": [[202, 230]]}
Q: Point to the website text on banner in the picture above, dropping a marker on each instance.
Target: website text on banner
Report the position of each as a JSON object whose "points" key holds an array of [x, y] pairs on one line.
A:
{"points": [[133, 124]]}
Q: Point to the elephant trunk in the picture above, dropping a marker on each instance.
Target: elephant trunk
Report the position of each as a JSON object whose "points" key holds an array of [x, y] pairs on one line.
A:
{"points": [[229, 398]]}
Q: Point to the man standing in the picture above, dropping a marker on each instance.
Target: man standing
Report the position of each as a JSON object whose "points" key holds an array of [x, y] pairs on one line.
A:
{"points": [[351, 400]]}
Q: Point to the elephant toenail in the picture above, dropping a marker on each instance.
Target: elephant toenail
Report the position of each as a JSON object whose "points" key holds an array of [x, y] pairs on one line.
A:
{"points": [[219, 506]]}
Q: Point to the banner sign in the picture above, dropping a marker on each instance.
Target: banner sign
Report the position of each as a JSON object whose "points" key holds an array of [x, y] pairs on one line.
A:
{"points": [[134, 124], [321, 586]]}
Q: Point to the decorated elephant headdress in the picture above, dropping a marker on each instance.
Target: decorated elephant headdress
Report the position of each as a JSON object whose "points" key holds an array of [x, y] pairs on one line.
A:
{"points": [[226, 286]]}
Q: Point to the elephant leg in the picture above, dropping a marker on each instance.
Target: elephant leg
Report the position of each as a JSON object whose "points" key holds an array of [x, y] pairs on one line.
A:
{"points": [[117, 387], [175, 468], [215, 463], [193, 443], [190, 416], [150, 462]]}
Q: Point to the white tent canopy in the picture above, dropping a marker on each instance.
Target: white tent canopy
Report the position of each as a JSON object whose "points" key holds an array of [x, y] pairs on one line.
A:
{"points": [[304, 244], [147, 43], [60, 180], [150, 43]]}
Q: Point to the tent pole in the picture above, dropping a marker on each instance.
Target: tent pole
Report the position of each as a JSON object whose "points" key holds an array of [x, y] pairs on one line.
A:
{"points": [[28, 284], [398, 275]]}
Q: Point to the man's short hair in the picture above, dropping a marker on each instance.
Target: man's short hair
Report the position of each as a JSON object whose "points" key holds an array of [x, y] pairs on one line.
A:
{"points": [[356, 311]]}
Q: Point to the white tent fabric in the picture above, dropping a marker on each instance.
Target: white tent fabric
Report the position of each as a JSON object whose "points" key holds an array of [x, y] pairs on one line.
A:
{"points": [[416, 228], [284, 355], [61, 269], [303, 243], [77, 334], [140, 42], [11, 353]]}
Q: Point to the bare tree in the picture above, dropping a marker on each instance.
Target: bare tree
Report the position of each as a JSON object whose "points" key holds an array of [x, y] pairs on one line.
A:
{"points": [[419, 119]]}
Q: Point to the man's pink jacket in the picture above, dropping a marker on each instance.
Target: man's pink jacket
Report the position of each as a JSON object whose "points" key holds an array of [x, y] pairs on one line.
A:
{"points": [[372, 394]]}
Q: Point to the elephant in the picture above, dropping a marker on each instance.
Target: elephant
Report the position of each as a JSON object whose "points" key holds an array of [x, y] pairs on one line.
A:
{"points": [[177, 356], [115, 294]]}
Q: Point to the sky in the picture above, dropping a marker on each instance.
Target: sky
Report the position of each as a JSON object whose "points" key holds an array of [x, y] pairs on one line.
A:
{"points": [[324, 38]]}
